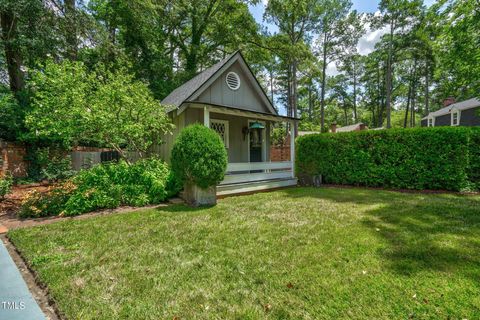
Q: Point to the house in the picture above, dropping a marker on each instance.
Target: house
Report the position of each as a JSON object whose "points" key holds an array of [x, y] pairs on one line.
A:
{"points": [[228, 98], [465, 113], [354, 127]]}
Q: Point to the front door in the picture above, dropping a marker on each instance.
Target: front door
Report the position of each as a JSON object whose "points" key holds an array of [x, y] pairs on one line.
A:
{"points": [[256, 145]]}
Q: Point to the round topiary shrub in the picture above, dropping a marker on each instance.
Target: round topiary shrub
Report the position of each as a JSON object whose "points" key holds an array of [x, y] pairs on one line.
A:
{"points": [[199, 156]]}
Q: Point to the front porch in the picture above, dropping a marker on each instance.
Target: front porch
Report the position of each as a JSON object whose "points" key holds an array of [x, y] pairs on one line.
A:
{"points": [[251, 176], [248, 138]]}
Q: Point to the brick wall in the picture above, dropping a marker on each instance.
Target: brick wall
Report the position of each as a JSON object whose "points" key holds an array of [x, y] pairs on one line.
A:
{"points": [[12, 159], [282, 152]]}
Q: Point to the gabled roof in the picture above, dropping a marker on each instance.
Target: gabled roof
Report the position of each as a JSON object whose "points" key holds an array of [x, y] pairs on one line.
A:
{"points": [[190, 89], [463, 105]]}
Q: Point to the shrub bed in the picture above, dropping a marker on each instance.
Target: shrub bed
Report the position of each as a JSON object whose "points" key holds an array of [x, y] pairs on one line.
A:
{"points": [[446, 158], [105, 186], [5, 185]]}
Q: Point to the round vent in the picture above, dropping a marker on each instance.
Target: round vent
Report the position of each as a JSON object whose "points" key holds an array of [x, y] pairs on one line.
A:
{"points": [[233, 80]]}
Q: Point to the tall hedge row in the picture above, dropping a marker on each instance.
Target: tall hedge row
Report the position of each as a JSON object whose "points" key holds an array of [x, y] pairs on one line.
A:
{"points": [[446, 158]]}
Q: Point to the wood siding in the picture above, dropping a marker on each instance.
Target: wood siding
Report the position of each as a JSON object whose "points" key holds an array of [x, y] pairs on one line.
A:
{"points": [[246, 97]]}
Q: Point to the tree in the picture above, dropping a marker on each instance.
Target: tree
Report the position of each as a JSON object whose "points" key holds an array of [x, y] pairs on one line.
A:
{"points": [[203, 30], [395, 15], [457, 48], [339, 31], [71, 105], [294, 19], [352, 65], [340, 96]]}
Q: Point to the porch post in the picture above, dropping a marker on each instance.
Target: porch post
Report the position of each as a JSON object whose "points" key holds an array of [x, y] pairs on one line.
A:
{"points": [[292, 147], [206, 117]]}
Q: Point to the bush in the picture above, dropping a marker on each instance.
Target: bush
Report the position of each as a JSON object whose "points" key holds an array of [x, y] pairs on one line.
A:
{"points": [[445, 158], [5, 185], [199, 156], [50, 203], [111, 185]]}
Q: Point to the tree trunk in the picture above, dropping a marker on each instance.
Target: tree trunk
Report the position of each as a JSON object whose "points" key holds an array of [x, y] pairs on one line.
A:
{"points": [[389, 79], [310, 103], [271, 84], [414, 92], [295, 97], [355, 95], [323, 84], [71, 29], [12, 55], [427, 89], [405, 121]]}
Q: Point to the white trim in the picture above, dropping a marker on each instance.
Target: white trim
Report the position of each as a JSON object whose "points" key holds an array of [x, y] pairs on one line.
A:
{"points": [[226, 139], [206, 117], [264, 140], [240, 113], [456, 112], [292, 147], [250, 177], [254, 186], [432, 124], [251, 166]]}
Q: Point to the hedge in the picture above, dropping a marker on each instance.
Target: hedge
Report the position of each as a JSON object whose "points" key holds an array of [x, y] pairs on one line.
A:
{"points": [[443, 158]]}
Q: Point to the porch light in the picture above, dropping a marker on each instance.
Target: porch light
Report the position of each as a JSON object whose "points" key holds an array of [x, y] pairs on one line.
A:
{"points": [[257, 125]]}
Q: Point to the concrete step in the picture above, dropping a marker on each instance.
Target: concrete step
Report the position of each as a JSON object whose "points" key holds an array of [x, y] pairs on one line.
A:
{"points": [[245, 187]]}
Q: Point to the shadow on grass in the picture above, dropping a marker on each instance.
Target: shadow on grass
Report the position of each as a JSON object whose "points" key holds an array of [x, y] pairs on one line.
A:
{"points": [[418, 231], [181, 208]]}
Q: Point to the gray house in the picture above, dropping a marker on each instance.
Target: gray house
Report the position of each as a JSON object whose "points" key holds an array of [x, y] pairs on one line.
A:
{"points": [[228, 98], [465, 113]]}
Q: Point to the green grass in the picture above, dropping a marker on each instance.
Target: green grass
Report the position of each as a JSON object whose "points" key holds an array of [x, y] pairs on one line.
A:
{"points": [[293, 254]]}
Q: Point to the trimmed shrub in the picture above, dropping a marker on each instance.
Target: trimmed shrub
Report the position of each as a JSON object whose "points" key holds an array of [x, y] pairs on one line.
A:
{"points": [[5, 186], [445, 158], [111, 185], [199, 156]]}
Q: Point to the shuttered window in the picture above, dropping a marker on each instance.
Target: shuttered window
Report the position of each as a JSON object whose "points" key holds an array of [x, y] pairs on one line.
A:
{"points": [[220, 127]]}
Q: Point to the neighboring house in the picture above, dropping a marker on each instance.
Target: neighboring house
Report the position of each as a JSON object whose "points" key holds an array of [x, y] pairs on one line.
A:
{"points": [[306, 133], [354, 127], [228, 98], [465, 113]]}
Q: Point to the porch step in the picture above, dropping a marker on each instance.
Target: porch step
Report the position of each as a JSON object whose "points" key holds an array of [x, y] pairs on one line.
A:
{"points": [[236, 188]]}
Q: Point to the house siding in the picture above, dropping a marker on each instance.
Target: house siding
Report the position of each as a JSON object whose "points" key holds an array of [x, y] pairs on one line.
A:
{"points": [[442, 121], [246, 97], [470, 117], [424, 123], [238, 146]]}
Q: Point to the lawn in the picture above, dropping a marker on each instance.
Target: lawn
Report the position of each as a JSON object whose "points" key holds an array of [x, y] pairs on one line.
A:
{"points": [[298, 253]]}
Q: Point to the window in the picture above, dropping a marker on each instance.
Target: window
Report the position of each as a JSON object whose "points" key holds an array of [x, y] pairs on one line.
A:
{"points": [[220, 127], [455, 118], [233, 80], [430, 122]]}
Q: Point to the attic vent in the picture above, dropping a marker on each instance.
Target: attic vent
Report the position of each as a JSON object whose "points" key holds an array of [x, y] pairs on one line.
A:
{"points": [[233, 80]]}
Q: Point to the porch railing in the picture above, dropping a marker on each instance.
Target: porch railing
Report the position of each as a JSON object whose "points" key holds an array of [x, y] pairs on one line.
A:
{"points": [[257, 171]]}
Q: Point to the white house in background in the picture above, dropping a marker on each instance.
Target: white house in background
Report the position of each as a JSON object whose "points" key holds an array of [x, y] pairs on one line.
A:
{"points": [[229, 99]]}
